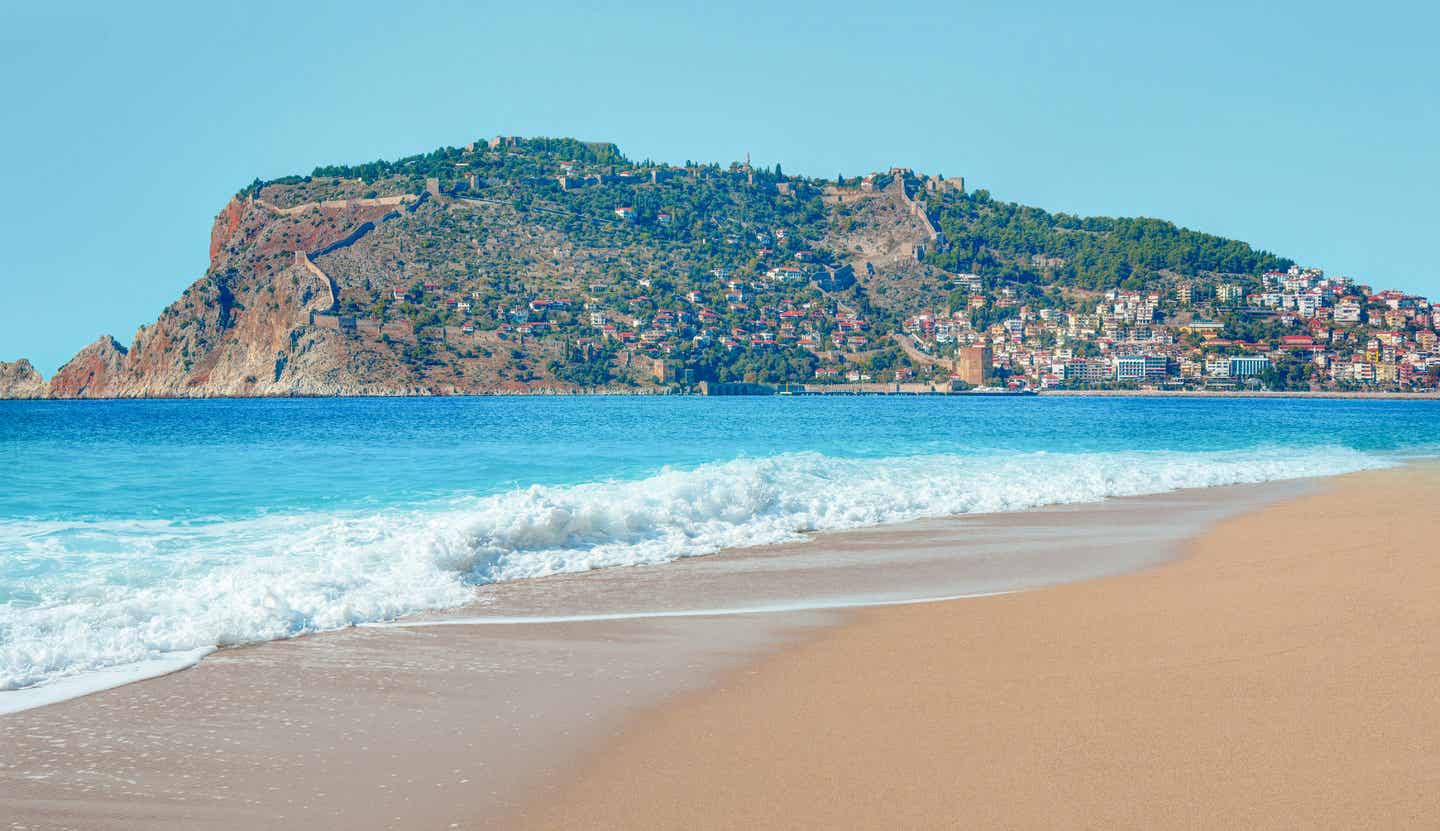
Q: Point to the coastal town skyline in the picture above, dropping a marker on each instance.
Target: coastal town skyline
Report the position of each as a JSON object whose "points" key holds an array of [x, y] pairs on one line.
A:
{"points": [[551, 265]]}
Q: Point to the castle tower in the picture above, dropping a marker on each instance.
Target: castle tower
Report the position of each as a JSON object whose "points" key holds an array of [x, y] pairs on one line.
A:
{"points": [[973, 365]]}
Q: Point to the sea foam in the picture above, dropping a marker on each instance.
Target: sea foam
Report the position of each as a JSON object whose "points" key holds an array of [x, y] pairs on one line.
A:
{"points": [[100, 594]]}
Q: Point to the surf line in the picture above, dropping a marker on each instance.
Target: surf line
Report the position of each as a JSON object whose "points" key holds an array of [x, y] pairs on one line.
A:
{"points": [[818, 606], [98, 680]]}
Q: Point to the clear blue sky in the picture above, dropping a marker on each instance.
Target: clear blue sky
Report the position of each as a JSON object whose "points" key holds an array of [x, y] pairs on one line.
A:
{"points": [[1311, 129]]}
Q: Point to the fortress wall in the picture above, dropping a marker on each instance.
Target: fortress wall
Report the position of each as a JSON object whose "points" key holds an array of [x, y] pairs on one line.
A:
{"points": [[344, 242], [302, 259], [340, 204]]}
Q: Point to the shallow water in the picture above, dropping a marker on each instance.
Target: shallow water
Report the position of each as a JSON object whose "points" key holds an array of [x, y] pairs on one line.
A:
{"points": [[142, 531]]}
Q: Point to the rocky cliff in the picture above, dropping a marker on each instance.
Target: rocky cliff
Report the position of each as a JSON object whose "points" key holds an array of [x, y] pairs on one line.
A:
{"points": [[18, 379], [95, 372], [244, 329]]}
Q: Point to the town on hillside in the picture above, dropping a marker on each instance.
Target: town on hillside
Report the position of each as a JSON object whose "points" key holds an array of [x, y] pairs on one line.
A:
{"points": [[1296, 329], [553, 265], [780, 298]]}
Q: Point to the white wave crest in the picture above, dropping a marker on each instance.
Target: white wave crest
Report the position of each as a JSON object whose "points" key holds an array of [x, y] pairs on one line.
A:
{"points": [[101, 594]]}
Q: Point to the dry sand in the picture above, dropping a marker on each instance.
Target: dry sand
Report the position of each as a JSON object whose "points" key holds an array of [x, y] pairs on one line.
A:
{"points": [[1285, 675]]}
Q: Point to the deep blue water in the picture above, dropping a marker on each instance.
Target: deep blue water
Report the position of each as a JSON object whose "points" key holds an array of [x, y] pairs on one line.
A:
{"points": [[133, 529]]}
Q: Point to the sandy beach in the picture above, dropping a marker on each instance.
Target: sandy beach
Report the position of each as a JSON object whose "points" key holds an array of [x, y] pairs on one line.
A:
{"points": [[1282, 675], [437, 720], [1285, 674]]}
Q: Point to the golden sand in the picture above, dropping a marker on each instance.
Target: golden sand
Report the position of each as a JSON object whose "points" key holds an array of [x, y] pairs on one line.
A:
{"points": [[1286, 674]]}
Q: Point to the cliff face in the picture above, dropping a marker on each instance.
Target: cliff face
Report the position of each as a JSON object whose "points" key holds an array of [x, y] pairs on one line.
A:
{"points": [[93, 373], [18, 379], [244, 329], [226, 224]]}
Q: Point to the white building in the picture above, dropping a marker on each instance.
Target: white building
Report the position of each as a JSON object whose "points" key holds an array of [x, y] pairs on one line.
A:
{"points": [[1248, 365], [1141, 367]]}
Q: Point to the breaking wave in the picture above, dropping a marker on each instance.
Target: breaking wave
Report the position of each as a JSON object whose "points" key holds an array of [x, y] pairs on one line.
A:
{"points": [[90, 595]]}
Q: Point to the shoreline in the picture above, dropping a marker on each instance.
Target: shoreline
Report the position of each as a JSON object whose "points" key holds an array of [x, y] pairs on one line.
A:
{"points": [[1279, 674], [817, 392], [515, 602], [1299, 394], [492, 714]]}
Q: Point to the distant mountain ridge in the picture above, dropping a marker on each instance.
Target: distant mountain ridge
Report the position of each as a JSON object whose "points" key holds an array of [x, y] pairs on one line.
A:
{"points": [[554, 265]]}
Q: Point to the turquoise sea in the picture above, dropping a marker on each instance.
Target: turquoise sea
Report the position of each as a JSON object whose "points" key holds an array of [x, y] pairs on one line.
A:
{"points": [[135, 531]]}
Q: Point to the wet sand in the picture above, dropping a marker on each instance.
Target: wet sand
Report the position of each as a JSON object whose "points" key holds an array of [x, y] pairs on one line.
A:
{"points": [[1286, 674], [425, 726]]}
